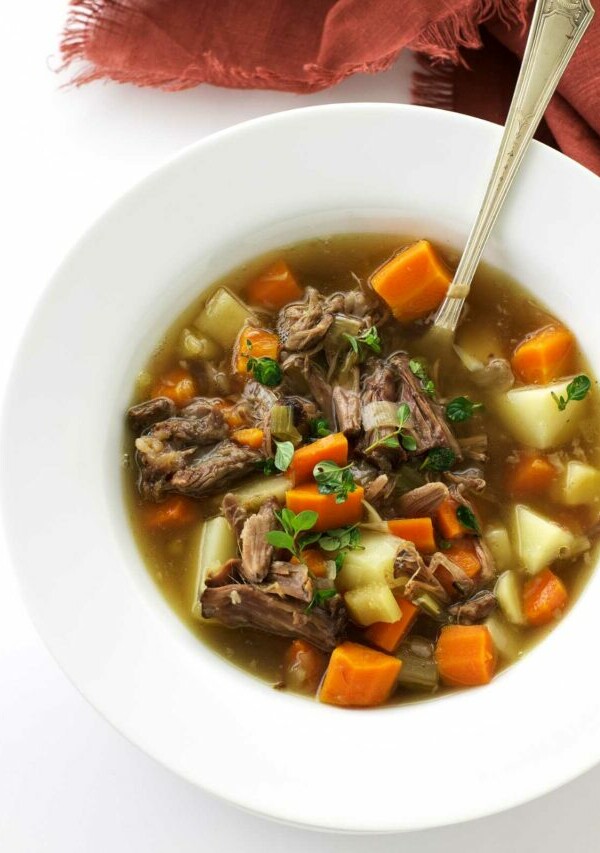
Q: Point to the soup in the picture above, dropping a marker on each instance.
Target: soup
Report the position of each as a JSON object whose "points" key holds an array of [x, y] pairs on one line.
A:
{"points": [[342, 507]]}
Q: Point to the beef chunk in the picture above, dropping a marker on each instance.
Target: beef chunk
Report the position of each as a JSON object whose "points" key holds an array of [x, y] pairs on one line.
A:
{"points": [[226, 463], [246, 606], [470, 478], [200, 407], [302, 326], [474, 447], [235, 514], [260, 400], [301, 368], [364, 305], [475, 609], [422, 577], [424, 500], [346, 406], [486, 561], [427, 423], [191, 432], [288, 579], [169, 447], [377, 491], [145, 414], [379, 384], [256, 551]]}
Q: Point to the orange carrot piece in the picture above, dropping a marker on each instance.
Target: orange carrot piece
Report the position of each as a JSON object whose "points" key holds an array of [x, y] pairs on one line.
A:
{"points": [[447, 521], [461, 552], [331, 514], [178, 384], [544, 597], [389, 635], [232, 414], [249, 437], [274, 288], [316, 562], [303, 667], [254, 343], [359, 676], [332, 447], [413, 281], [532, 474], [544, 355], [419, 531], [176, 511], [465, 655]]}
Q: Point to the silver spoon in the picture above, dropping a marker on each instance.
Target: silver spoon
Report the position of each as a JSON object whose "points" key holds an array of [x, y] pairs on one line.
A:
{"points": [[556, 29]]}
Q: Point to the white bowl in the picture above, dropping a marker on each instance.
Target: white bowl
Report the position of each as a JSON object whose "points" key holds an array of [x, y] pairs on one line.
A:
{"points": [[272, 181]]}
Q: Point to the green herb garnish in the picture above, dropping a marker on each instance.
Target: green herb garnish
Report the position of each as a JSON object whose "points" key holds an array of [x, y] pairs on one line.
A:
{"points": [[461, 409], [577, 389], [283, 454], [319, 597], [333, 480], [265, 370], [398, 437], [418, 368], [294, 537], [467, 518], [267, 466], [369, 339], [439, 459], [339, 562], [319, 428], [341, 538]]}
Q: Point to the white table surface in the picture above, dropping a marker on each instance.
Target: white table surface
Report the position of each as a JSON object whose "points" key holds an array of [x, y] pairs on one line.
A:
{"points": [[68, 781]]}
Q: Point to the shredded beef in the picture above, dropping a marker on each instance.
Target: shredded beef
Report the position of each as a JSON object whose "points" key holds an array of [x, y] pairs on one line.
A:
{"points": [[427, 422], [226, 463], [424, 500], [475, 609], [288, 579], [302, 326], [145, 414], [246, 606], [256, 551]]}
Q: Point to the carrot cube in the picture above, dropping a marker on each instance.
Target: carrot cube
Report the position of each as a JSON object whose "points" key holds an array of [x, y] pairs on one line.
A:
{"points": [[359, 676], [389, 635], [413, 281]]}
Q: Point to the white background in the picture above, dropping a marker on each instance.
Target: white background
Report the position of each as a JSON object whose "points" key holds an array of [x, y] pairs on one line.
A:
{"points": [[68, 781]]}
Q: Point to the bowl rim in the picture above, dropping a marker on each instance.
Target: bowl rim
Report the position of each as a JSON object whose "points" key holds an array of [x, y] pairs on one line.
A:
{"points": [[197, 148]]}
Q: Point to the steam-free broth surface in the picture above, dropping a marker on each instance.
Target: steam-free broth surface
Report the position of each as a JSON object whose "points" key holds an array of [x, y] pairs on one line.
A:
{"points": [[500, 316]]}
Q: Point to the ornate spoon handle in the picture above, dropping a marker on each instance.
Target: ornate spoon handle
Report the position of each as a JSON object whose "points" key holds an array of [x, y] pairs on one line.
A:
{"points": [[556, 29]]}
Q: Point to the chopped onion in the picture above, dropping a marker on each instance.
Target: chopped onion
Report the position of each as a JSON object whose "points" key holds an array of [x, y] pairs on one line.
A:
{"points": [[377, 526], [381, 413], [330, 570], [470, 362], [372, 515], [430, 606], [348, 375], [343, 325]]}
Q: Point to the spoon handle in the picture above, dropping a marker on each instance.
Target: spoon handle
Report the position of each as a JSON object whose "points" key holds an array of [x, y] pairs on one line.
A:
{"points": [[556, 29]]}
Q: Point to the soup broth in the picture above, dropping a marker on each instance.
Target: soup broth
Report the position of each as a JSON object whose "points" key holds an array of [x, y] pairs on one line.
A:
{"points": [[512, 483]]}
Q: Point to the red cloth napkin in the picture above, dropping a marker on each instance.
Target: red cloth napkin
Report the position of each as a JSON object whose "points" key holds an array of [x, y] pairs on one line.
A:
{"points": [[307, 45]]}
